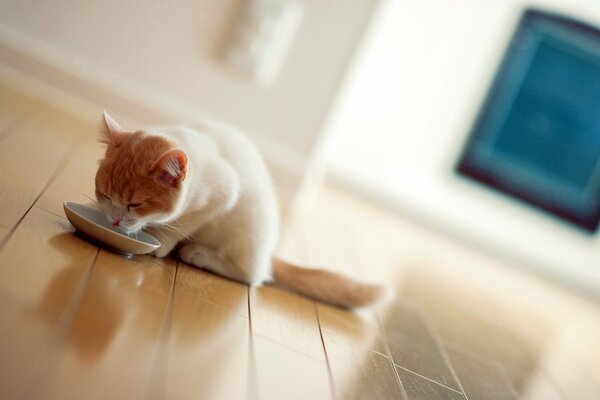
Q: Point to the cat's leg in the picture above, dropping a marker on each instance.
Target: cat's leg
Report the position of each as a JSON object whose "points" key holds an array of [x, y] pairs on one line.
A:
{"points": [[231, 267], [203, 257]]}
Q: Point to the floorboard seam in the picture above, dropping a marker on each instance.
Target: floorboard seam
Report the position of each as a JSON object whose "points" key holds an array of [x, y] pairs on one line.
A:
{"points": [[329, 368], [442, 349], [252, 391], [389, 355], [290, 348], [429, 379]]}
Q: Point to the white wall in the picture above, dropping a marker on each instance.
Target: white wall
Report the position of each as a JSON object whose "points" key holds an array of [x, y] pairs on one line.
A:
{"points": [[160, 60], [405, 111]]}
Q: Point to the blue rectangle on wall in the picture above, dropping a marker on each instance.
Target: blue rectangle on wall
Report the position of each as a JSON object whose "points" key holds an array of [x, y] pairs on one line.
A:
{"points": [[537, 136]]}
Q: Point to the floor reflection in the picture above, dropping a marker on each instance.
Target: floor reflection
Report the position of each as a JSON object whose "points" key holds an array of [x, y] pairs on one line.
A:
{"points": [[489, 339], [113, 291], [96, 322], [206, 351]]}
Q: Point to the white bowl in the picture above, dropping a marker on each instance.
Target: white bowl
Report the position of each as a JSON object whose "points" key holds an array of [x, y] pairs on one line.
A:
{"points": [[93, 224]]}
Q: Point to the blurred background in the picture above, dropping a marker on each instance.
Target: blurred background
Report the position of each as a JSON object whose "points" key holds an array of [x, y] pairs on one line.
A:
{"points": [[376, 97]]}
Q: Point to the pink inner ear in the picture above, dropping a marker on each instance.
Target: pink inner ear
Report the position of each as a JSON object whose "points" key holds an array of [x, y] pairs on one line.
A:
{"points": [[172, 167]]}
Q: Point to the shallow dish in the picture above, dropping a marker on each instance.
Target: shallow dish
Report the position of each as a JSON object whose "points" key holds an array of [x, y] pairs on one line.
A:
{"points": [[93, 225]]}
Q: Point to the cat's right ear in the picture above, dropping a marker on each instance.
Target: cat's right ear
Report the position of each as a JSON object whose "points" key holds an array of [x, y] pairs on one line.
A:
{"points": [[112, 133], [171, 168]]}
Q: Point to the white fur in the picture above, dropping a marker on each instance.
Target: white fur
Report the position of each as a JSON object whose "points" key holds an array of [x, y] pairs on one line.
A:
{"points": [[227, 218]]}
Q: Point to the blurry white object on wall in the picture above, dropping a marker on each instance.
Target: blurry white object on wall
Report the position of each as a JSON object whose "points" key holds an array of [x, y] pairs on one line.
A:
{"points": [[262, 36]]}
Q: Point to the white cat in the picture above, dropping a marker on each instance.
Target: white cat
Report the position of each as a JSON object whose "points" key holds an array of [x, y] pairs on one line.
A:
{"points": [[206, 191]]}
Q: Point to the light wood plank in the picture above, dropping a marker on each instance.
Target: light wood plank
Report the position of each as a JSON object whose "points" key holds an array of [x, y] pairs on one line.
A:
{"points": [[109, 351], [479, 378], [363, 374], [287, 374], [3, 232], [14, 105], [41, 254], [25, 335], [207, 348], [360, 366], [30, 156], [351, 329], [212, 288], [286, 318], [413, 345], [40, 269]]}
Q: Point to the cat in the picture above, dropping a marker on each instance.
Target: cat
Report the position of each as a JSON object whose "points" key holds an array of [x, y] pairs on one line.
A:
{"points": [[204, 190]]}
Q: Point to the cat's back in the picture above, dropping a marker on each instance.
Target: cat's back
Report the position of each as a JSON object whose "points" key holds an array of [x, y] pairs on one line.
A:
{"points": [[206, 140], [210, 141], [225, 165], [231, 143], [258, 200]]}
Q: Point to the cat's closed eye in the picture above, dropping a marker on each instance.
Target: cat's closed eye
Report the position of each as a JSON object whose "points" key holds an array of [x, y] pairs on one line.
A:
{"points": [[133, 205]]}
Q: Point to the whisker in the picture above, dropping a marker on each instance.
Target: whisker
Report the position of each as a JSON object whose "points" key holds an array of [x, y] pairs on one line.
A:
{"points": [[157, 228], [93, 200]]}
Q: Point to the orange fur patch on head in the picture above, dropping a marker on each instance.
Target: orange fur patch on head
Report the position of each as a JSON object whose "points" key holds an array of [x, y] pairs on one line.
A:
{"points": [[128, 172]]}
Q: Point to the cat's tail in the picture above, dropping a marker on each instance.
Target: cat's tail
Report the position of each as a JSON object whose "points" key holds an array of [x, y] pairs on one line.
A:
{"points": [[327, 286]]}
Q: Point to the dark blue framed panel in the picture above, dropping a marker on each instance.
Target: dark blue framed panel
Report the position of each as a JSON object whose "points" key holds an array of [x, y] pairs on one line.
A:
{"points": [[537, 136]]}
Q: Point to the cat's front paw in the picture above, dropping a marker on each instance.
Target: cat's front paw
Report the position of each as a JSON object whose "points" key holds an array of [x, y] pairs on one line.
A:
{"points": [[193, 254]]}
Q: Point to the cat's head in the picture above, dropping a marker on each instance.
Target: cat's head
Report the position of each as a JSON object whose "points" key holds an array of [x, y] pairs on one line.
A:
{"points": [[140, 181]]}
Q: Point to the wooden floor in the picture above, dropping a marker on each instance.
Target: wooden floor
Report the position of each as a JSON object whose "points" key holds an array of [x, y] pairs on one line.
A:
{"points": [[78, 322]]}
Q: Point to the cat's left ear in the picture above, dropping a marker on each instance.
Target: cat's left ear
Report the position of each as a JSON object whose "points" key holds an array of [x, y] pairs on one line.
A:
{"points": [[172, 167], [113, 134]]}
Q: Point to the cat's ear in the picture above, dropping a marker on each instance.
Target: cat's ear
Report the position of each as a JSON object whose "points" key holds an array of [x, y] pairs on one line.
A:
{"points": [[112, 133], [172, 167]]}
